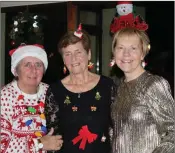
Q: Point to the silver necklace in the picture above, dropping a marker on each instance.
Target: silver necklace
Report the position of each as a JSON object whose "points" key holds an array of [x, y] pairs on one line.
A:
{"points": [[79, 95]]}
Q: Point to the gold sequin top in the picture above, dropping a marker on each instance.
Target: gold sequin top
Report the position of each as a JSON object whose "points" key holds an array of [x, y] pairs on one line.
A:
{"points": [[143, 116]]}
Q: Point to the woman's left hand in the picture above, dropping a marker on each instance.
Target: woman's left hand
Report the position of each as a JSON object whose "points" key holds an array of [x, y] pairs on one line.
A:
{"points": [[51, 142]]}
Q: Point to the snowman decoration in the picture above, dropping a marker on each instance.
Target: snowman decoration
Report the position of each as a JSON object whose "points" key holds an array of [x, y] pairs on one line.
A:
{"points": [[126, 18], [124, 8]]}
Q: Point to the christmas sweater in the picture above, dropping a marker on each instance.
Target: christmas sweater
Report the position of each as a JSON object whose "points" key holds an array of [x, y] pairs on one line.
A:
{"points": [[21, 120]]}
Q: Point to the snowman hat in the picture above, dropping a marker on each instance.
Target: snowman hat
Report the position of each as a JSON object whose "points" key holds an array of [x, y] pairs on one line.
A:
{"points": [[27, 50], [123, 2], [129, 20]]}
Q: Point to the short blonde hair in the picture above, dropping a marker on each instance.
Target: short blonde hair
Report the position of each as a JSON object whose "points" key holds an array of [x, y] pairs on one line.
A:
{"points": [[145, 41]]}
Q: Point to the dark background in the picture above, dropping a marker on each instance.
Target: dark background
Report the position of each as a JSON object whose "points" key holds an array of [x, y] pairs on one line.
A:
{"points": [[159, 15]]}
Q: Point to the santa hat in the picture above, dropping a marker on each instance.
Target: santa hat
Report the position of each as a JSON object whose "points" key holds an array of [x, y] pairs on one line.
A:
{"points": [[79, 27], [123, 2], [78, 32], [27, 50]]}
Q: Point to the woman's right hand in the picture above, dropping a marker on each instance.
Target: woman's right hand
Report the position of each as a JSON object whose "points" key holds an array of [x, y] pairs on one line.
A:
{"points": [[51, 142]]}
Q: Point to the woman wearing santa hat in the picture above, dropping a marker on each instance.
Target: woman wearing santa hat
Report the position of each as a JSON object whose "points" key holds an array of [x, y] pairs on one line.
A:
{"points": [[23, 124]]}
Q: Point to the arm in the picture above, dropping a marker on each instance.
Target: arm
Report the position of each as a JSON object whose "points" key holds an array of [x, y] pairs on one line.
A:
{"points": [[6, 120], [6, 127], [50, 141], [51, 112], [162, 107], [113, 93]]}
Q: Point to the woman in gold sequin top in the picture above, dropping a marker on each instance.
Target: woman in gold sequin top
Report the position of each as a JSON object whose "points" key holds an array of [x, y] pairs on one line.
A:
{"points": [[143, 113]]}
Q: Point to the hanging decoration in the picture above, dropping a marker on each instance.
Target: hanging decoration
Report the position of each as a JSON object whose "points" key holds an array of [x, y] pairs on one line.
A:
{"points": [[26, 28]]}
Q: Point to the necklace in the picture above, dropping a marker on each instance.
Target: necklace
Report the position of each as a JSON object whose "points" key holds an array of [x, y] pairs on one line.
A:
{"points": [[79, 87], [79, 95]]}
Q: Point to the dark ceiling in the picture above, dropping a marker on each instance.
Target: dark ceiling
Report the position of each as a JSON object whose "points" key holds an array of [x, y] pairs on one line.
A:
{"points": [[112, 4], [92, 5]]}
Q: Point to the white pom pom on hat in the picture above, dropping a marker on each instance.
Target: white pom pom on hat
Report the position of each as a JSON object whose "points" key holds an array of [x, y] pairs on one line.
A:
{"points": [[27, 50]]}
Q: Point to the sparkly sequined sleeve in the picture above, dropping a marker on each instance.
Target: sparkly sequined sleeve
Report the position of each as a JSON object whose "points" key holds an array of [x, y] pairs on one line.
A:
{"points": [[162, 107], [51, 111], [113, 93]]}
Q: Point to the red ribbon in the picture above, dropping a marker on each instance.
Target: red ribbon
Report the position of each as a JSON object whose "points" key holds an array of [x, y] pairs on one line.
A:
{"points": [[84, 135]]}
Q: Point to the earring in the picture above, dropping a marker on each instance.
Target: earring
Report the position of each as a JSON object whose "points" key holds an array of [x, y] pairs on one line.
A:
{"points": [[143, 64], [90, 65], [64, 69], [112, 62]]}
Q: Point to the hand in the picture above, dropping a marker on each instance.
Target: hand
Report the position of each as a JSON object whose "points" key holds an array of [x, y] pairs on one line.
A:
{"points": [[51, 142]]}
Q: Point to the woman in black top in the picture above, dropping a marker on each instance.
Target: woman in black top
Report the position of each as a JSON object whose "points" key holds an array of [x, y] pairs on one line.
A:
{"points": [[78, 107]]}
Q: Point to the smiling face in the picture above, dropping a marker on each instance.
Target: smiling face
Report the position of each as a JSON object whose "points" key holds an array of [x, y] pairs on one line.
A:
{"points": [[30, 71], [128, 54], [76, 58]]}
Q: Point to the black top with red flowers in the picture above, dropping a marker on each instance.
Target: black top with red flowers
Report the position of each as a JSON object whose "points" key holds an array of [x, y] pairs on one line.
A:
{"points": [[82, 119]]}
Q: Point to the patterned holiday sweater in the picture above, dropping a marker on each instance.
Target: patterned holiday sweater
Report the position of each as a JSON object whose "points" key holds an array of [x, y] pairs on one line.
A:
{"points": [[21, 120]]}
